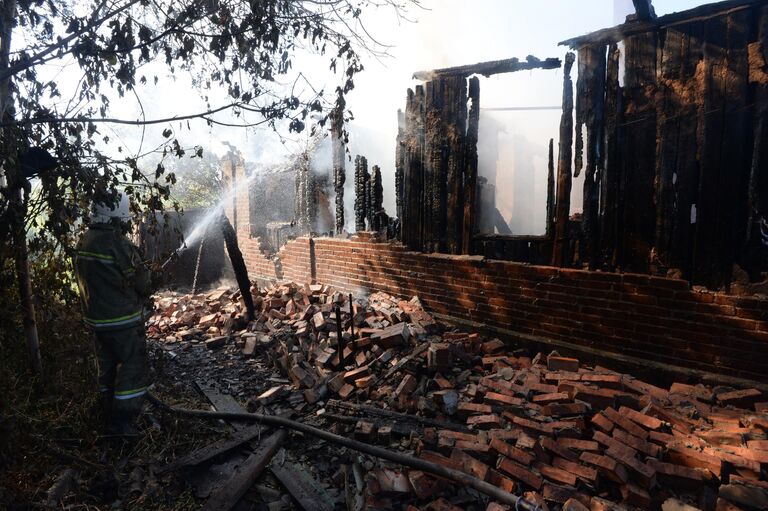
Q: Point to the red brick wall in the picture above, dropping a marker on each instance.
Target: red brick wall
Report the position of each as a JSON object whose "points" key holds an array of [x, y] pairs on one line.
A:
{"points": [[259, 265], [646, 317]]}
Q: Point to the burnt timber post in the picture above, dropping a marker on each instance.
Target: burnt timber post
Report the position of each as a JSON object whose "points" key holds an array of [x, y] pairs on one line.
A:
{"points": [[560, 251]]}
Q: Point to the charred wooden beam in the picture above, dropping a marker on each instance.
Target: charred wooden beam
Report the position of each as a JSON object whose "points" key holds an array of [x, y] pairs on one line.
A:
{"points": [[470, 160], [361, 189], [399, 164], [551, 190], [490, 68], [757, 196], [560, 249], [413, 171], [455, 112], [339, 170], [609, 184], [590, 107], [227, 496], [701, 13], [376, 214], [238, 265], [435, 169]]}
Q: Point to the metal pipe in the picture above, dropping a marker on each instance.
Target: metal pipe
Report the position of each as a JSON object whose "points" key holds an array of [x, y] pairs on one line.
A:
{"points": [[373, 450]]}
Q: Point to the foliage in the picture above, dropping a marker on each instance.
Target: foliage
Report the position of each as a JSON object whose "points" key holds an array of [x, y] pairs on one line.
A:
{"points": [[198, 181], [227, 45]]}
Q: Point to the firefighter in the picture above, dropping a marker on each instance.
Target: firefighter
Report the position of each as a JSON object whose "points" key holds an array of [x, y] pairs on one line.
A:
{"points": [[114, 286]]}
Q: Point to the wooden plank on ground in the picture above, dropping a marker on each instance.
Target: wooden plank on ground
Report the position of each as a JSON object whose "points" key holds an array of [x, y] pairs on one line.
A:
{"points": [[310, 494], [221, 402], [228, 494], [214, 449]]}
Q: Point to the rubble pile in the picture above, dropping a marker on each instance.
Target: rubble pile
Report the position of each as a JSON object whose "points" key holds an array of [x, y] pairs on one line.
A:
{"points": [[564, 435]]}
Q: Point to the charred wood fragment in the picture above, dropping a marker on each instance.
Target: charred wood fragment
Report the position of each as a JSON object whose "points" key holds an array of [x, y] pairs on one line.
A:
{"points": [[361, 189], [455, 113], [470, 161], [339, 170], [758, 178], [238, 265], [609, 182], [490, 68], [550, 189], [590, 108], [399, 164], [560, 252]]}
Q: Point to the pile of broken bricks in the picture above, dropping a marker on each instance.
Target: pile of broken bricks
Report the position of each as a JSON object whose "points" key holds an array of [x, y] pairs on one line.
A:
{"points": [[562, 434]]}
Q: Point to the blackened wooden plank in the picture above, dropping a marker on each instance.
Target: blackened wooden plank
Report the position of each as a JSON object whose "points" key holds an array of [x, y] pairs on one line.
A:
{"points": [[221, 402], [609, 183], [456, 116], [590, 112], [712, 105], [565, 152], [550, 226], [489, 68], [638, 145], [227, 495], [308, 492], [470, 191], [216, 448]]}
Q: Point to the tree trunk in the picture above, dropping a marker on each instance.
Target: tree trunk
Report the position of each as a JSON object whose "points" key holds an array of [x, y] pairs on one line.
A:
{"points": [[18, 205]]}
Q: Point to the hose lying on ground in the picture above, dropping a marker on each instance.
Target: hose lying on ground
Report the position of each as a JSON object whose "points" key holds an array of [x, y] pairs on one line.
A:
{"points": [[492, 491]]}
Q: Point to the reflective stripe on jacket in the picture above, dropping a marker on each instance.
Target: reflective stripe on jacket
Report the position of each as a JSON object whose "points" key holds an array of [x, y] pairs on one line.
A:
{"points": [[112, 280]]}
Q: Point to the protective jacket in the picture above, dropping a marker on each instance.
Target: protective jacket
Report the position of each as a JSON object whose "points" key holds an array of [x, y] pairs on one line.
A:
{"points": [[113, 281]]}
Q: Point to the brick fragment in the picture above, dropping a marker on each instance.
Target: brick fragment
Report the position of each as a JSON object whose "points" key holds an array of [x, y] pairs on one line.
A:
{"points": [[466, 409], [484, 421], [556, 397], [624, 423], [602, 422], [511, 452], [636, 443], [574, 505], [406, 387], [643, 473], [687, 457], [581, 471], [470, 465], [636, 496], [501, 482], [555, 448], [607, 466], [424, 485], [365, 431], [502, 400], [346, 390], [644, 420], [555, 474], [578, 444], [678, 476], [439, 459], [518, 472], [740, 398], [555, 363], [564, 409]]}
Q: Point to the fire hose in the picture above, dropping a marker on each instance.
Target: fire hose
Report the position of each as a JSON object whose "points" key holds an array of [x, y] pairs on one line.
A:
{"points": [[488, 489]]}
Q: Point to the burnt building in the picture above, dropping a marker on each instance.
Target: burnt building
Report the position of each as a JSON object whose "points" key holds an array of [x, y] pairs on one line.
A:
{"points": [[665, 264]]}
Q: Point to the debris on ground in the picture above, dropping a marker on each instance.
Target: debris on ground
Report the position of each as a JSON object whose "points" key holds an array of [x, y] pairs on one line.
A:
{"points": [[383, 371]]}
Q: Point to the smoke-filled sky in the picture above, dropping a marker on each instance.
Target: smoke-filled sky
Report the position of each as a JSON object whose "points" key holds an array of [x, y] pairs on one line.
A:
{"points": [[442, 33]]}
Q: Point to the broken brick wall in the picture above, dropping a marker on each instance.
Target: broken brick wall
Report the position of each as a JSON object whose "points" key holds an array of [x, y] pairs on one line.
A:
{"points": [[237, 207], [260, 265], [649, 318]]}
